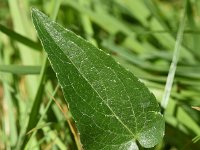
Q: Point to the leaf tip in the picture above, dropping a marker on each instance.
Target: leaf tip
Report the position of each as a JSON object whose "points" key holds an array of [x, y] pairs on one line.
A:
{"points": [[35, 13], [34, 10]]}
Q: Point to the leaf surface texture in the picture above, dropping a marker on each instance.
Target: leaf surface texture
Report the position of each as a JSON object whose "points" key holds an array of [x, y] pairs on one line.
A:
{"points": [[111, 107]]}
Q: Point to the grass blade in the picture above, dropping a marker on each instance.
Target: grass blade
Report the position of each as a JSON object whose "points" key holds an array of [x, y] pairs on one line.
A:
{"points": [[20, 38], [172, 70], [20, 70]]}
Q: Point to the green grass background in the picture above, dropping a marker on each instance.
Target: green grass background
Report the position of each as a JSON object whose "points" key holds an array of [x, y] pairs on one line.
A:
{"points": [[140, 34]]}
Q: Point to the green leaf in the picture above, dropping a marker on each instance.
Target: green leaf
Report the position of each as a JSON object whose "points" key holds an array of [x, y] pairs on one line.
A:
{"points": [[111, 107], [21, 70], [20, 38]]}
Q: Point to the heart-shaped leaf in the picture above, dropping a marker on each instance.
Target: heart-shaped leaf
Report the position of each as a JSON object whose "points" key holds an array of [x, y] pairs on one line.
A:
{"points": [[111, 107]]}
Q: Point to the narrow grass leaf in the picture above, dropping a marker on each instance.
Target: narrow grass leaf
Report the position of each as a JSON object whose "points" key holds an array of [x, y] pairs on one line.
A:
{"points": [[20, 70], [39, 127], [37, 100], [196, 139], [196, 108], [172, 69], [20, 38]]}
